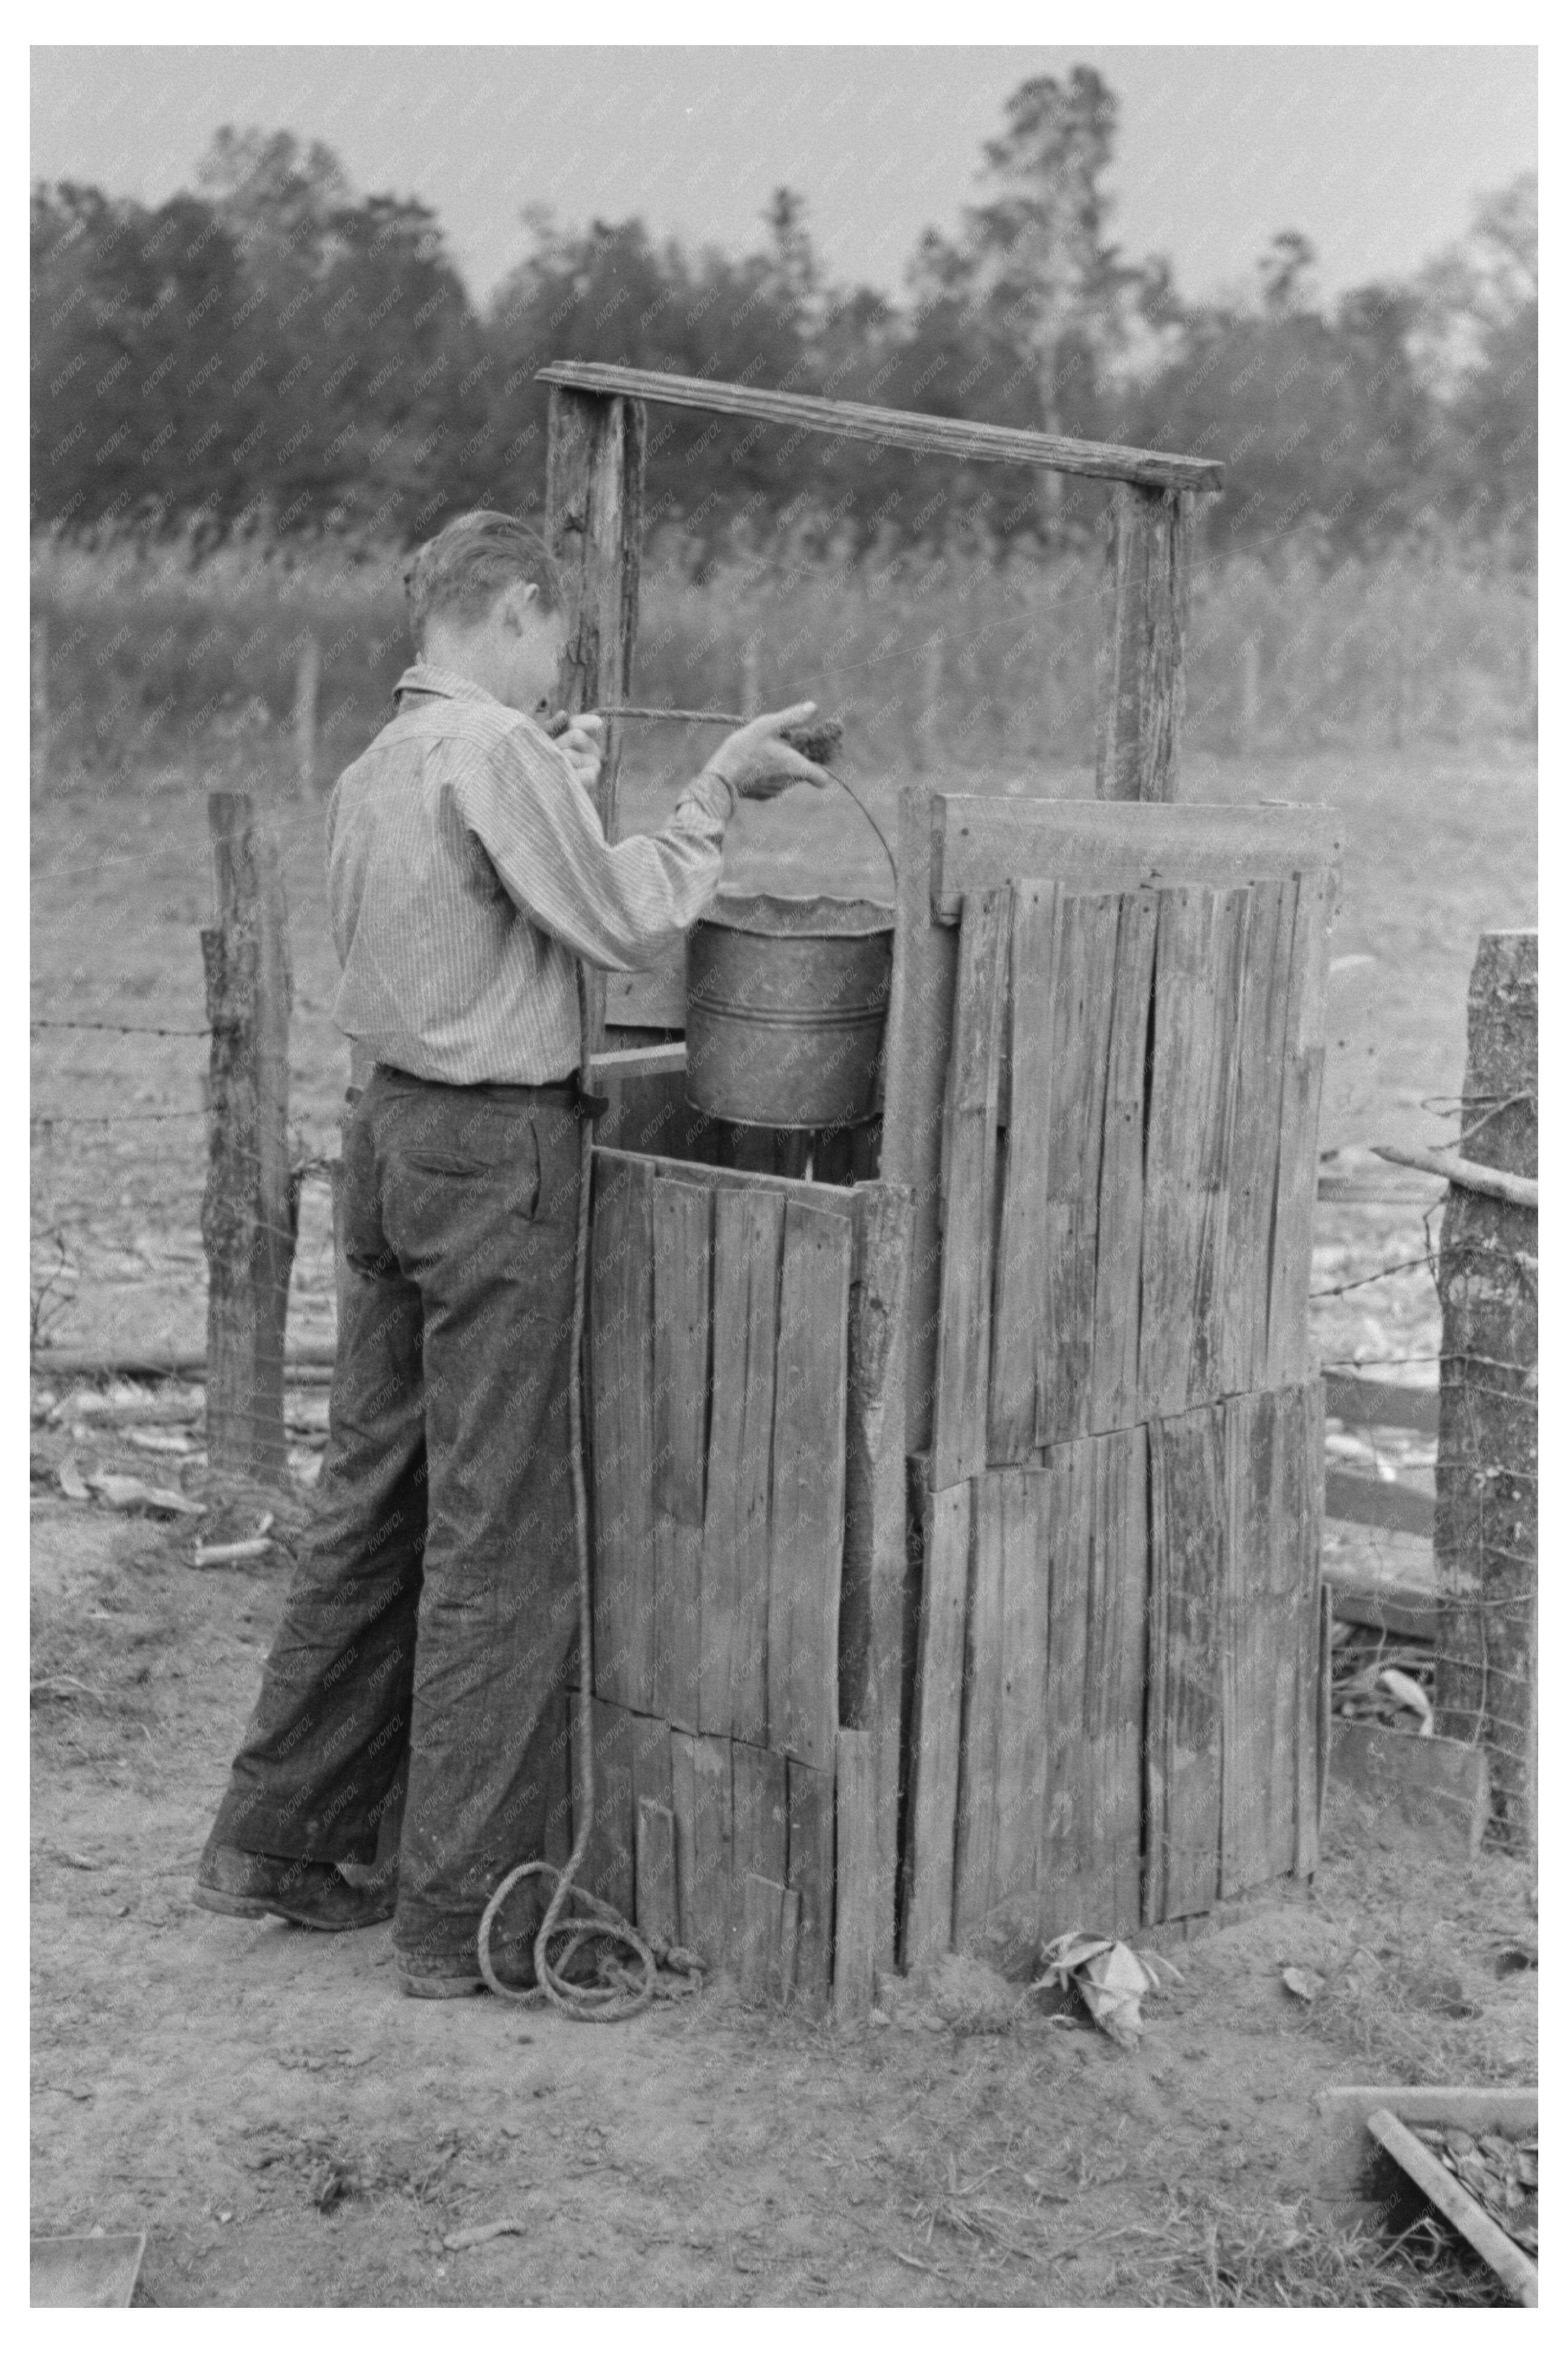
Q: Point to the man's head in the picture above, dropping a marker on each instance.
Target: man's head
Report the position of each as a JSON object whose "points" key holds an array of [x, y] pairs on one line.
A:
{"points": [[483, 599]]}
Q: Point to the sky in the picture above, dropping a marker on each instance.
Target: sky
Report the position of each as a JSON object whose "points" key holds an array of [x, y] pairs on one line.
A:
{"points": [[1376, 153]]}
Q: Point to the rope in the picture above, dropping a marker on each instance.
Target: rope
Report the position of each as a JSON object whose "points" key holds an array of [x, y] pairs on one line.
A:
{"points": [[591, 1920]]}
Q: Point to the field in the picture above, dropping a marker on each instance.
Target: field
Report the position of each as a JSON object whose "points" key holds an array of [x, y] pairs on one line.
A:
{"points": [[260, 2101]]}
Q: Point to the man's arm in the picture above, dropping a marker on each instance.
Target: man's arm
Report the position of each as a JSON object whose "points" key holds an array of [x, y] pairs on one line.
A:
{"points": [[618, 904]]}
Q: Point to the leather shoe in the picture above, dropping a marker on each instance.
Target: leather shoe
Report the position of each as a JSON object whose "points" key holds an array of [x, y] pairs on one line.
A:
{"points": [[289, 1887]]}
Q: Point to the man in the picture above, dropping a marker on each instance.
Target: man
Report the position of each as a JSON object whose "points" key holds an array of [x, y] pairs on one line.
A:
{"points": [[434, 1608]]}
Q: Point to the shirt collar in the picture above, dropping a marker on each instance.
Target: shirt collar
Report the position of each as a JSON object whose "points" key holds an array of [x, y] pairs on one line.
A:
{"points": [[423, 678]]}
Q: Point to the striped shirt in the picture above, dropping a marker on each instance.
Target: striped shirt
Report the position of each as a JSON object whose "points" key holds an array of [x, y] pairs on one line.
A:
{"points": [[468, 868]]}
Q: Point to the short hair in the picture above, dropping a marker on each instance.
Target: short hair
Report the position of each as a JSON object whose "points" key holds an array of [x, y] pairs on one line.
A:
{"points": [[469, 563]]}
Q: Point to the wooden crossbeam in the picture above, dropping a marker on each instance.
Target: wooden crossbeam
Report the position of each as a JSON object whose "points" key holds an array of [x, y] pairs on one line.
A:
{"points": [[898, 429]]}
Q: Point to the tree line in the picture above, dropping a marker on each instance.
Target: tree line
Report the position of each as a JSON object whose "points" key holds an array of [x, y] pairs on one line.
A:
{"points": [[272, 352]]}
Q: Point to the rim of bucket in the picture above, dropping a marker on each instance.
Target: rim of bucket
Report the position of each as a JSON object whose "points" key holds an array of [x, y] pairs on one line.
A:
{"points": [[770, 914]]}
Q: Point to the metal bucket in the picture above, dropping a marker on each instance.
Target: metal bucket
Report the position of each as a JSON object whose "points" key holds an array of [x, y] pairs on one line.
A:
{"points": [[786, 1000]]}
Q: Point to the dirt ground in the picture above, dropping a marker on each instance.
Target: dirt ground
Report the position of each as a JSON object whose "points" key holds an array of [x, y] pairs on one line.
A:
{"points": [[288, 2130]]}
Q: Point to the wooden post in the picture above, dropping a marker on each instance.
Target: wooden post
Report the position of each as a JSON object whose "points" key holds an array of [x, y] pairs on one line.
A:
{"points": [[1142, 682], [306, 693], [593, 519], [875, 1538], [751, 676], [249, 1213], [1486, 1541]]}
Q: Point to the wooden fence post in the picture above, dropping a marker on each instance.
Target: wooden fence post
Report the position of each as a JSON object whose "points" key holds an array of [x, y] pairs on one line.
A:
{"points": [[306, 693], [1142, 680], [1487, 1458], [594, 522], [250, 1210]]}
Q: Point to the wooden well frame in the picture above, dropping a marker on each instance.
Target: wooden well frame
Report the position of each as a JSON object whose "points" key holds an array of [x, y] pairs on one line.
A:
{"points": [[878, 1878]]}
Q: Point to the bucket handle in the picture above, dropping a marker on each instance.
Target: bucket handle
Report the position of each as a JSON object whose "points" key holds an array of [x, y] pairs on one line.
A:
{"points": [[871, 822]]}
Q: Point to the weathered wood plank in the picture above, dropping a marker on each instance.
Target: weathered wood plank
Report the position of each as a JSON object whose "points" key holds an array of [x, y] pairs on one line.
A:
{"points": [[876, 1548], [594, 523], [1114, 1403], [609, 1868], [620, 1418], [683, 1805], [979, 1713], [1116, 1666], [682, 1217], [1173, 1200], [713, 1179], [1011, 1498], [1254, 1158], [1188, 1577], [760, 1811], [1373, 1503], [789, 1945], [895, 429], [733, 1694], [1258, 1649], [855, 1925], [1021, 1283], [915, 1060], [1211, 1304], [762, 1919], [658, 1912], [935, 1739], [807, 1526], [1379, 1405], [1080, 1046], [1067, 1831], [968, 1193], [811, 1878], [979, 841], [1142, 664], [704, 1837], [1296, 1200]]}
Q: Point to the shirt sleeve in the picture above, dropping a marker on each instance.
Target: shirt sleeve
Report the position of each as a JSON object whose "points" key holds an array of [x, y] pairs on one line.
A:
{"points": [[620, 905]]}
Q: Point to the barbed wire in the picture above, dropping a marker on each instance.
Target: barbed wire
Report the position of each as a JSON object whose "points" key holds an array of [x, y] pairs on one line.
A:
{"points": [[123, 1028]]}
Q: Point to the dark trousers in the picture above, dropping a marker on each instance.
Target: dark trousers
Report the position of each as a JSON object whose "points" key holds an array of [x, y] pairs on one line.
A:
{"points": [[432, 1613]]}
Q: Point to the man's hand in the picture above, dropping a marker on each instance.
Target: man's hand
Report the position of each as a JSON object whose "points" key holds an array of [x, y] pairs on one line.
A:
{"points": [[757, 766], [579, 738]]}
